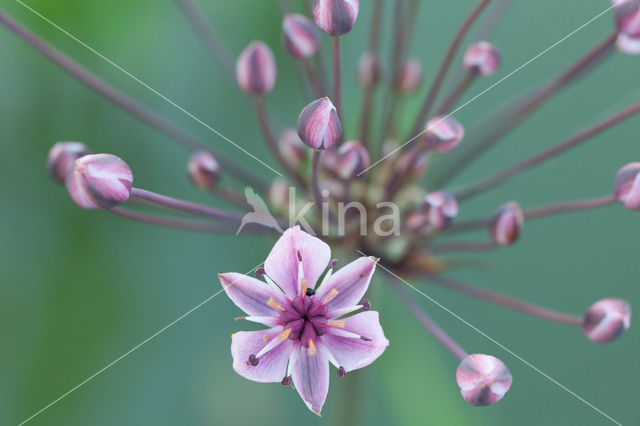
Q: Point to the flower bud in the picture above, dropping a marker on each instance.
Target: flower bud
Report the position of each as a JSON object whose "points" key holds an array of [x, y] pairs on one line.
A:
{"points": [[203, 170], [278, 194], [368, 70], [318, 124], [443, 134], [291, 148], [438, 210], [99, 181], [627, 186], [61, 158], [300, 36], [413, 162], [256, 69], [353, 159], [628, 24], [606, 320], [335, 17], [483, 379], [409, 76], [506, 224], [481, 59]]}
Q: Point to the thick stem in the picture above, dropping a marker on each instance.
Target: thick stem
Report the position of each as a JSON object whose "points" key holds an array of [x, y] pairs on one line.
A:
{"points": [[571, 206], [183, 206], [272, 142], [130, 105], [315, 181], [208, 36], [455, 94], [337, 76], [504, 175], [444, 67], [312, 77], [427, 322], [521, 110], [503, 300]]}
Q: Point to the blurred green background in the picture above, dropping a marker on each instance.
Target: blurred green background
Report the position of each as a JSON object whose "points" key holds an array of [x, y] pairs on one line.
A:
{"points": [[78, 288]]}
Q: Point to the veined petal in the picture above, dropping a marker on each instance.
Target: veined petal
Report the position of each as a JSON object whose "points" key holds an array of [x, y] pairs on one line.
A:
{"points": [[354, 353], [282, 263], [310, 374], [272, 366], [351, 282], [249, 294]]}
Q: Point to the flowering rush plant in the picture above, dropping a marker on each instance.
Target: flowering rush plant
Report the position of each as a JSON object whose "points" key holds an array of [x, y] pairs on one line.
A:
{"points": [[360, 192]]}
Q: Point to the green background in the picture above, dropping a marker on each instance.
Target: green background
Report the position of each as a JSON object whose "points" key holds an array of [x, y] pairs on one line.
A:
{"points": [[78, 289]]}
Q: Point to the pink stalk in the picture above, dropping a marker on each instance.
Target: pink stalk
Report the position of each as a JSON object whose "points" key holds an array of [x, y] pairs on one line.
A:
{"points": [[504, 175], [135, 108], [183, 206], [457, 246], [337, 75], [455, 94], [444, 67], [503, 300], [427, 322], [374, 48]]}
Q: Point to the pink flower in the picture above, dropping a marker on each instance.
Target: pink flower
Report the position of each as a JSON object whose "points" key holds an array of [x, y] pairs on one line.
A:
{"points": [[308, 329]]}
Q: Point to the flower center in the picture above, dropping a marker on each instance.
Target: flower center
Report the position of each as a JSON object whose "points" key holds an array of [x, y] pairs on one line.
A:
{"points": [[307, 319]]}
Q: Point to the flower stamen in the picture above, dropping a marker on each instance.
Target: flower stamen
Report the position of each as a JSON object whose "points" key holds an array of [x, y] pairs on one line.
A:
{"points": [[330, 296], [312, 348], [338, 323], [275, 305]]}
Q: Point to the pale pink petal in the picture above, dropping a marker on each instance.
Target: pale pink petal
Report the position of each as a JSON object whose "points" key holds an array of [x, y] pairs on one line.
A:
{"points": [[351, 282], [282, 263], [353, 353], [310, 374], [250, 295], [272, 366]]}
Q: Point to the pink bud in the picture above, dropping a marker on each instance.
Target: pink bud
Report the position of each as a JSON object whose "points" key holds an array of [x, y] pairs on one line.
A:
{"points": [[279, 194], [318, 124], [203, 170], [353, 159], [300, 36], [628, 23], [368, 70], [627, 186], [409, 76], [606, 320], [335, 17], [291, 148], [483, 379], [438, 210], [61, 158], [506, 224], [99, 181], [481, 58], [256, 69], [443, 133]]}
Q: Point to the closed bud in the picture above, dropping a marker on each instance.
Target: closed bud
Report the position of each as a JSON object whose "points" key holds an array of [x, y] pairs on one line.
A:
{"points": [[278, 194], [291, 148], [443, 134], [437, 212], [413, 162], [256, 69], [627, 186], [318, 124], [483, 379], [99, 181], [606, 320], [409, 76], [300, 36], [203, 170], [628, 24], [335, 17], [482, 59], [506, 224], [352, 160], [368, 70], [61, 158]]}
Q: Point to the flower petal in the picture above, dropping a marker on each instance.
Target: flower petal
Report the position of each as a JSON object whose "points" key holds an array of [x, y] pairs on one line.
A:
{"points": [[272, 366], [311, 378], [353, 353], [351, 282], [249, 294], [282, 263]]}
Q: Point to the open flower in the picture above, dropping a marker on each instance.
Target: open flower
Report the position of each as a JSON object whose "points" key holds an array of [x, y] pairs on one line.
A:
{"points": [[308, 330]]}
